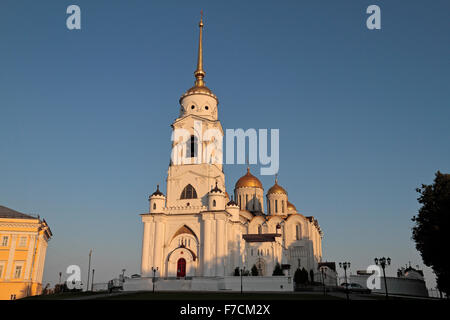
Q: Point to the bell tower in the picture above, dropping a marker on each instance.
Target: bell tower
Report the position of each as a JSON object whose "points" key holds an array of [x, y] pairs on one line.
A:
{"points": [[196, 160]]}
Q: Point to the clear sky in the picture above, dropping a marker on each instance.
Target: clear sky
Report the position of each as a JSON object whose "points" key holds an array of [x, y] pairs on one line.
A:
{"points": [[85, 115]]}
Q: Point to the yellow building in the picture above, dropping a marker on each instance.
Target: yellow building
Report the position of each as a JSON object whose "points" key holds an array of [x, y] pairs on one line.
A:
{"points": [[23, 245]]}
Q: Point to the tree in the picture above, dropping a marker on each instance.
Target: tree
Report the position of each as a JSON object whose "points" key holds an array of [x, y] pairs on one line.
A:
{"points": [[431, 230], [254, 271], [304, 276], [277, 271], [298, 277]]}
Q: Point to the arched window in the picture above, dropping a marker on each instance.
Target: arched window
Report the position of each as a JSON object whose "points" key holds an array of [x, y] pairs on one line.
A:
{"points": [[259, 229], [276, 206], [214, 203], [154, 206], [189, 192], [192, 146], [298, 232]]}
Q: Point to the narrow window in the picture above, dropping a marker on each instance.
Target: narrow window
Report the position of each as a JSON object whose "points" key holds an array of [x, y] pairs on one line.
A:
{"points": [[154, 206], [192, 147], [282, 206], [298, 232], [276, 206], [214, 203], [23, 241], [246, 201], [259, 229], [18, 272], [5, 241], [268, 206]]}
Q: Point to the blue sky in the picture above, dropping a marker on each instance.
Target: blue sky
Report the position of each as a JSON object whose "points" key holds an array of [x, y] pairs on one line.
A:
{"points": [[85, 115]]}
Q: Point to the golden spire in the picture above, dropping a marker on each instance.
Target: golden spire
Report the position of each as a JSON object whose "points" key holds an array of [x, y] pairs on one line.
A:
{"points": [[200, 73]]}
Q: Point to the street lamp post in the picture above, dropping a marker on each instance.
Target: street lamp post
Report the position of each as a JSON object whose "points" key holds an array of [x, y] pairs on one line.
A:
{"points": [[242, 270], [345, 266], [89, 270], [154, 279], [322, 271], [383, 262], [92, 281]]}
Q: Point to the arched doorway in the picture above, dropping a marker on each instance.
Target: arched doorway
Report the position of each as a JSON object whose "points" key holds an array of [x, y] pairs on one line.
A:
{"points": [[181, 268], [261, 266]]}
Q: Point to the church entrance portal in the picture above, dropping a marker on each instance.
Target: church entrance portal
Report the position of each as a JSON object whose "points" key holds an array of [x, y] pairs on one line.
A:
{"points": [[181, 268]]}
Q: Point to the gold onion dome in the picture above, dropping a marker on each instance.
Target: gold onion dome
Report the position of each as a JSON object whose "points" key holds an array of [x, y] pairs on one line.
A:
{"points": [[290, 206], [200, 87], [248, 181], [276, 188]]}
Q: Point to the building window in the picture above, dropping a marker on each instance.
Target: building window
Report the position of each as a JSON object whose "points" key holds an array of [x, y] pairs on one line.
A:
{"points": [[189, 192], [246, 201], [23, 242], [276, 206], [18, 272], [5, 241], [268, 206], [298, 232], [251, 251], [214, 203], [206, 107], [1, 271], [282, 206], [259, 229], [154, 206], [191, 151]]}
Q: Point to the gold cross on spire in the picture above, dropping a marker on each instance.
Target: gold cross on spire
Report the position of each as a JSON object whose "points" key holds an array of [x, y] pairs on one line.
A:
{"points": [[200, 73]]}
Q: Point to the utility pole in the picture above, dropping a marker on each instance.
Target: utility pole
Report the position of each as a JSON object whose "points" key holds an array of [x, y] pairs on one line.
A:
{"points": [[89, 270], [92, 282]]}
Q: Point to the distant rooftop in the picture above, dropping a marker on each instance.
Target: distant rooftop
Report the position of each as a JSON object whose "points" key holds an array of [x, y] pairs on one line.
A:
{"points": [[13, 214]]}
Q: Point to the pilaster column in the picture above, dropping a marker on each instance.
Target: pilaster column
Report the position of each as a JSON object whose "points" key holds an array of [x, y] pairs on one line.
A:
{"points": [[145, 249], [12, 250], [159, 243], [220, 247], [31, 249], [37, 258], [207, 261]]}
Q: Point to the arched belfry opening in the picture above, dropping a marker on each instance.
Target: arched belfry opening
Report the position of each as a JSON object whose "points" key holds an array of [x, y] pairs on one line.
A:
{"points": [[192, 147]]}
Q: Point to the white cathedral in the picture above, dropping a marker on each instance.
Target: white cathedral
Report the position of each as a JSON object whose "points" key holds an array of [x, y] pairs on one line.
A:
{"points": [[196, 230]]}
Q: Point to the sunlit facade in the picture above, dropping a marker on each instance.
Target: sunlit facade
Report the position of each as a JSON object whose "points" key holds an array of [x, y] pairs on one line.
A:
{"points": [[23, 246], [196, 230]]}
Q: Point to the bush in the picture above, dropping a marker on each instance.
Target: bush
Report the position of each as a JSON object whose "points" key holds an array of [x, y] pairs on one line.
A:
{"points": [[277, 271], [254, 271]]}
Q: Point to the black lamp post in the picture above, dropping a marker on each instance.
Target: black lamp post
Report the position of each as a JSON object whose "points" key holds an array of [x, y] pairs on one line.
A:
{"points": [[383, 262], [154, 279], [345, 266], [242, 270], [322, 271]]}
